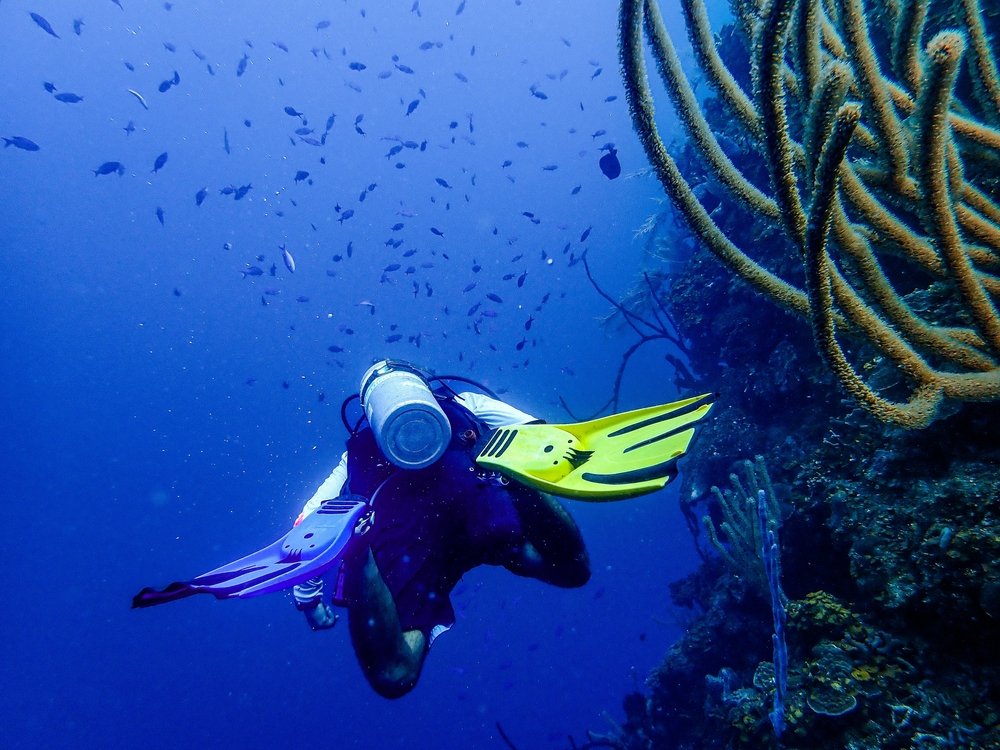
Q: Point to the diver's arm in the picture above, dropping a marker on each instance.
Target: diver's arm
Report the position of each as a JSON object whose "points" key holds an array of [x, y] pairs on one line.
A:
{"points": [[309, 595], [308, 600], [493, 412], [330, 488]]}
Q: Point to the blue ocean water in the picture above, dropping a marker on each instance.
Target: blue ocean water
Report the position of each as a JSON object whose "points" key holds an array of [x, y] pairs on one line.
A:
{"points": [[165, 413]]}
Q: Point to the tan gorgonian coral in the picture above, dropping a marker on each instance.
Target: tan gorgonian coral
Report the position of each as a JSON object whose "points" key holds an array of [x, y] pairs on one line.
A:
{"points": [[873, 158]]}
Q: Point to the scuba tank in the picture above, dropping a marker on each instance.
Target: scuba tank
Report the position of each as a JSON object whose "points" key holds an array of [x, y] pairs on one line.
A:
{"points": [[409, 425]]}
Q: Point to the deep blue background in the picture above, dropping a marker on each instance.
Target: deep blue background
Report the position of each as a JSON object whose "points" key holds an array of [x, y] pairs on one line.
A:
{"points": [[148, 436]]}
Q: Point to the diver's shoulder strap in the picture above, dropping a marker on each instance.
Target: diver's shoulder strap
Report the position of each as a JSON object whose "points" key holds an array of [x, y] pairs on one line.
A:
{"points": [[461, 418], [367, 468]]}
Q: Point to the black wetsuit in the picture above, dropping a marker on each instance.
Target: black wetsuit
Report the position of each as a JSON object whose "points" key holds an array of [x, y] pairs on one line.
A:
{"points": [[435, 524]]}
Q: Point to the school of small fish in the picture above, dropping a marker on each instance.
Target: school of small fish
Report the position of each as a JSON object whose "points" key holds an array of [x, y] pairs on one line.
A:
{"points": [[494, 295]]}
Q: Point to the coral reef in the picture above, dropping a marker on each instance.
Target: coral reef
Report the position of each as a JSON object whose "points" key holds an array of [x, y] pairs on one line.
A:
{"points": [[890, 536], [890, 546], [877, 179]]}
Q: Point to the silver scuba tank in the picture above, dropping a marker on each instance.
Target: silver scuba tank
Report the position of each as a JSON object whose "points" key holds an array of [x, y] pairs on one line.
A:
{"points": [[409, 425]]}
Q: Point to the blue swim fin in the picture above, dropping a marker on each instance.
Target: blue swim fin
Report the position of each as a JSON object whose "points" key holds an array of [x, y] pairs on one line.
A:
{"points": [[307, 551]]}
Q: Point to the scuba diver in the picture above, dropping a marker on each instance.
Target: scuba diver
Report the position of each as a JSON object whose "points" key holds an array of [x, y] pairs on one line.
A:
{"points": [[434, 483]]}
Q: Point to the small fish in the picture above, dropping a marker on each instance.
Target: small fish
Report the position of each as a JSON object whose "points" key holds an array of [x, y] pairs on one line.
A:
{"points": [[281, 45], [78, 26], [442, 182], [225, 140], [494, 297], [461, 77], [346, 215], [412, 106], [357, 66], [474, 309], [538, 93], [48, 86], [286, 256], [159, 215], [301, 175], [404, 69], [469, 287], [333, 348], [528, 322], [110, 167], [21, 142], [397, 226], [68, 98], [165, 85], [322, 25], [139, 97], [292, 112], [241, 66], [44, 25], [130, 128], [586, 234], [575, 190], [391, 267], [242, 191], [252, 271], [609, 163], [436, 231], [521, 279], [160, 161], [393, 338], [200, 196]]}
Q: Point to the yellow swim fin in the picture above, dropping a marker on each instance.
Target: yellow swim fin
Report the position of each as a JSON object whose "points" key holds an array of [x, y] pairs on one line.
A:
{"points": [[610, 458]]}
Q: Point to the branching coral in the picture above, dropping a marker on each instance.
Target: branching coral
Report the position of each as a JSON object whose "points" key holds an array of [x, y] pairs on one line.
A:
{"points": [[883, 179]]}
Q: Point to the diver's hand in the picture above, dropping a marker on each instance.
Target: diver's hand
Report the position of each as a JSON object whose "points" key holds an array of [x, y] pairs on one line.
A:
{"points": [[321, 617]]}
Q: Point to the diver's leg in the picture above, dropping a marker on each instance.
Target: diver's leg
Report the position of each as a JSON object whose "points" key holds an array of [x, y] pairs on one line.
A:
{"points": [[390, 657], [553, 551]]}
